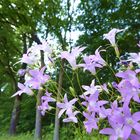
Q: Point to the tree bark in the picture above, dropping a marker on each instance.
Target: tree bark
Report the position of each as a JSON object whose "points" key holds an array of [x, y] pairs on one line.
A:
{"points": [[57, 123], [15, 115], [16, 108], [38, 121]]}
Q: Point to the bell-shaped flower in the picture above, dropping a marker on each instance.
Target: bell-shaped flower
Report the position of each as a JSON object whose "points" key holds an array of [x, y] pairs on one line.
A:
{"points": [[109, 112], [130, 121], [135, 58], [114, 109], [115, 132], [23, 89], [129, 75], [45, 102], [38, 78], [71, 56], [128, 91], [91, 121], [66, 106], [93, 61], [29, 59], [127, 121], [91, 89], [111, 35], [93, 104], [71, 116]]}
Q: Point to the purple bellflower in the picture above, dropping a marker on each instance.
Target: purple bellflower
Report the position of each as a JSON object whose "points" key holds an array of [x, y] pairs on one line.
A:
{"points": [[115, 132], [23, 89], [111, 35], [71, 116], [93, 61], [38, 78], [128, 91], [71, 57], [27, 59], [110, 111], [129, 121], [93, 104], [130, 76], [45, 102], [114, 109], [125, 122], [91, 121], [66, 106], [134, 57], [91, 89]]}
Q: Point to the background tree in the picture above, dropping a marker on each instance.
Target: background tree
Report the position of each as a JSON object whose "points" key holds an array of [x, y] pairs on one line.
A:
{"points": [[19, 20]]}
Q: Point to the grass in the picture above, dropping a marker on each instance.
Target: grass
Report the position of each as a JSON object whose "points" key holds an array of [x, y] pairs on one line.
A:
{"points": [[18, 137], [67, 132], [49, 137]]}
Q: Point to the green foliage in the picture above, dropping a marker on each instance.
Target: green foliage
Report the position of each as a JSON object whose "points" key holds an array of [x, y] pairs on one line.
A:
{"points": [[67, 131], [18, 137], [25, 17]]}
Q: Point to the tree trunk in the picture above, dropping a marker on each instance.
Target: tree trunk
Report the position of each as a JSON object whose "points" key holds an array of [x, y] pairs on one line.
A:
{"points": [[38, 121], [16, 108], [15, 115], [57, 123]]}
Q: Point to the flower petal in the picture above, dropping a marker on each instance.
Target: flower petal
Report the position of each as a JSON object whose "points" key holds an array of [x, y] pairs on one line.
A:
{"points": [[136, 116], [108, 131], [126, 131]]}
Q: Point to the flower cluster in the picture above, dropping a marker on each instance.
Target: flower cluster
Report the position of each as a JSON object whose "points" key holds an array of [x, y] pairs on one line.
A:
{"points": [[123, 121], [45, 102], [36, 77]]}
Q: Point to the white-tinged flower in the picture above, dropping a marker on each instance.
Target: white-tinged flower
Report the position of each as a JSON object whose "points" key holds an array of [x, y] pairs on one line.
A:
{"points": [[111, 35], [71, 56], [135, 57]]}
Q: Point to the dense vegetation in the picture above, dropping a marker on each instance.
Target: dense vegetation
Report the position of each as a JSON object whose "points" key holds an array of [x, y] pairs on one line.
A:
{"points": [[25, 22]]}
